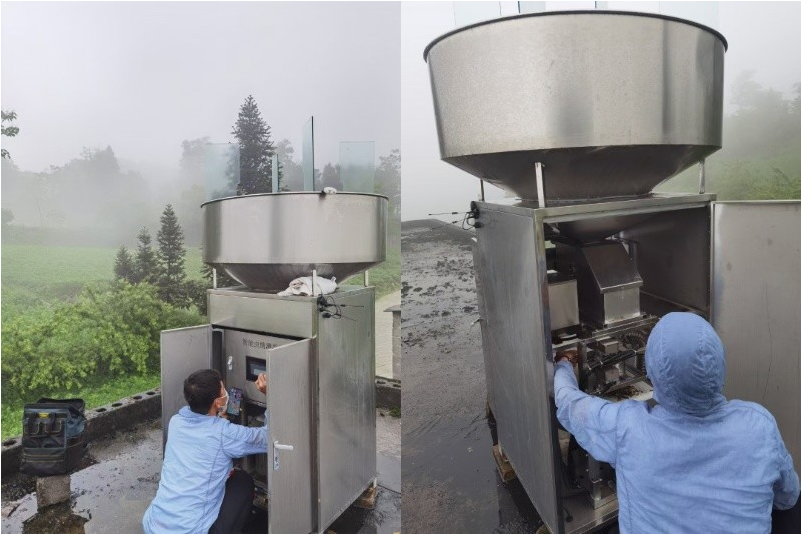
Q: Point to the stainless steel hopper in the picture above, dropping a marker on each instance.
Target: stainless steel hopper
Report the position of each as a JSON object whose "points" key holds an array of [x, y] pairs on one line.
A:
{"points": [[611, 103], [264, 241]]}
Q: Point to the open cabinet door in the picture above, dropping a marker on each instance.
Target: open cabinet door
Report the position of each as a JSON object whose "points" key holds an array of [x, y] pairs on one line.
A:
{"points": [[289, 460], [756, 307], [183, 351]]}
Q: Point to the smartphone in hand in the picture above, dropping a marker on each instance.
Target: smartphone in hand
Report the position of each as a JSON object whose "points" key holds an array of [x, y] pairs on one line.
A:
{"points": [[234, 401]]}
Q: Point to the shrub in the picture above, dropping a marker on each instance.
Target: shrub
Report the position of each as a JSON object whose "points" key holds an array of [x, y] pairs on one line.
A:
{"points": [[110, 330]]}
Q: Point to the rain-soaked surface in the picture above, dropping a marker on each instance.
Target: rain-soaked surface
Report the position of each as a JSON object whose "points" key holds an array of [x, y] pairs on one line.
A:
{"points": [[111, 494], [450, 482]]}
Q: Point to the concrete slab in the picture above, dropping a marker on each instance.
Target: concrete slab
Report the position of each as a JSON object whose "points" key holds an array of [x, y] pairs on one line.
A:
{"points": [[52, 490], [450, 481], [111, 495]]}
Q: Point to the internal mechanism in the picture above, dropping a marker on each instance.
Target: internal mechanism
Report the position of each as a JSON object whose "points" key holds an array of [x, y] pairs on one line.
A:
{"points": [[594, 303], [252, 415]]}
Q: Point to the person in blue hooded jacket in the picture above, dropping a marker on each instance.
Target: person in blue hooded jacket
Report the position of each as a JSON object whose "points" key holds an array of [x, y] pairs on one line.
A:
{"points": [[198, 491], [695, 462]]}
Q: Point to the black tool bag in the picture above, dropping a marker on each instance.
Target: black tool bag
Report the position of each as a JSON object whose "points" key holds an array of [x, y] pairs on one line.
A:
{"points": [[52, 436]]}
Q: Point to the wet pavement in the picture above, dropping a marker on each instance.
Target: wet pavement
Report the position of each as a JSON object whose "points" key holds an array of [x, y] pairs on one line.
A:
{"points": [[450, 482], [111, 495]]}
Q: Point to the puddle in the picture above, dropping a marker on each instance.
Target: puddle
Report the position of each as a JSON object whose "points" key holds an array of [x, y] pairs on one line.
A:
{"points": [[450, 482], [111, 495]]}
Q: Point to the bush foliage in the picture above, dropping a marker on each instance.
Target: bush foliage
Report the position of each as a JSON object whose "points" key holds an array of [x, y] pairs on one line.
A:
{"points": [[111, 329]]}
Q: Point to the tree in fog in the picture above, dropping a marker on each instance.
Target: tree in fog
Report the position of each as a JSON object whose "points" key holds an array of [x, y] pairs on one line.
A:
{"points": [[124, 267], [8, 217], [255, 150], [10, 130], [388, 179], [146, 260], [171, 273]]}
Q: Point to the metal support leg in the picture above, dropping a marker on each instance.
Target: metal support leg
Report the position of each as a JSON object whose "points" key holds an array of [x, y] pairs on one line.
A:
{"points": [[702, 177], [540, 185]]}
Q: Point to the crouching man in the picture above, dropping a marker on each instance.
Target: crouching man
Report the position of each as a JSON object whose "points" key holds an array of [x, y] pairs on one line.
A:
{"points": [[199, 492]]}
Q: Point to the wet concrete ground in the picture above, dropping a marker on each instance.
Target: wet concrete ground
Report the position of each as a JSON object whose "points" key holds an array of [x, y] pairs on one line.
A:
{"points": [[450, 482], [111, 495]]}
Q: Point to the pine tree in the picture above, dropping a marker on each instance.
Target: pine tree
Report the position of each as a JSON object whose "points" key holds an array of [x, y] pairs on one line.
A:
{"points": [[124, 265], [255, 150], [146, 260], [172, 276]]}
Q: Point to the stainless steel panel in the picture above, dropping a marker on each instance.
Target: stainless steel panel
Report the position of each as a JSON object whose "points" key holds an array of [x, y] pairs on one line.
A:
{"points": [[183, 351], [513, 282], [562, 302], [482, 314], [756, 307], [620, 305], [346, 404], [264, 241], [608, 281], [673, 258], [238, 347], [269, 313], [291, 502], [612, 103]]}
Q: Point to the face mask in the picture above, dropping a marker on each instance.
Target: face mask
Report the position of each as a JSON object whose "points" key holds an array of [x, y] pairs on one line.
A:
{"points": [[224, 408]]}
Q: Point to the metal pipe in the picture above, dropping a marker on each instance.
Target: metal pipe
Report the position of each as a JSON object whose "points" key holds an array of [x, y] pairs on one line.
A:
{"points": [[482, 190], [366, 277], [540, 185], [702, 177], [314, 282]]}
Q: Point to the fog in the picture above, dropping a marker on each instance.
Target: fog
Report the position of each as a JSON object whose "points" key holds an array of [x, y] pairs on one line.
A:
{"points": [[763, 39], [141, 77]]}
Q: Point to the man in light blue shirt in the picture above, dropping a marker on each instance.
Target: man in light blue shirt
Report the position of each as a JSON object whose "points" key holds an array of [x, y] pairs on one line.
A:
{"points": [[694, 463], [196, 494]]}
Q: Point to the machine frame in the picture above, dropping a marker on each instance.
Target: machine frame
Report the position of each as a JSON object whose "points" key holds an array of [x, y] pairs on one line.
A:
{"points": [[693, 255]]}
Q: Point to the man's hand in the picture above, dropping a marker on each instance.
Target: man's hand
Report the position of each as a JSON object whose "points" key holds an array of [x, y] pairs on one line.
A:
{"points": [[261, 383], [571, 355]]}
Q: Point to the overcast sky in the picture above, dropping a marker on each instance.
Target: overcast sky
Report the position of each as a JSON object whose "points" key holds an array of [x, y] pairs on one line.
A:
{"points": [[143, 76], [763, 37]]}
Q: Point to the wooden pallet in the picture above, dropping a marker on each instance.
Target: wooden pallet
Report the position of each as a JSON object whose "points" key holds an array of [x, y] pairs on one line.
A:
{"points": [[368, 497], [504, 467]]}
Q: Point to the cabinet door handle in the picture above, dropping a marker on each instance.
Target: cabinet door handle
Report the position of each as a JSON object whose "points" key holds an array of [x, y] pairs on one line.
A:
{"points": [[278, 447]]}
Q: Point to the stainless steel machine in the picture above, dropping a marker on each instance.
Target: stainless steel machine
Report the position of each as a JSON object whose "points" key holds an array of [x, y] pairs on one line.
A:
{"points": [[581, 114], [318, 352]]}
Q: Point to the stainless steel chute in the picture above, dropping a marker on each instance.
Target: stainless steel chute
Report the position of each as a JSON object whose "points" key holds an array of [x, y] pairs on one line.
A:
{"points": [[266, 240], [611, 103]]}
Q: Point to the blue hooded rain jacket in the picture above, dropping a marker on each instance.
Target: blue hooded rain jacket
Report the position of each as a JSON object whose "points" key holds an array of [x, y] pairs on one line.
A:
{"points": [[694, 463]]}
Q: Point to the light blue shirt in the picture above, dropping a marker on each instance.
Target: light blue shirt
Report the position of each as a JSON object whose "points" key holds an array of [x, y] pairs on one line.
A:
{"points": [[197, 461], [695, 463]]}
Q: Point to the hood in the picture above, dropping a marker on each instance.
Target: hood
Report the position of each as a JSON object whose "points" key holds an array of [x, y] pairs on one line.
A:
{"points": [[686, 363]]}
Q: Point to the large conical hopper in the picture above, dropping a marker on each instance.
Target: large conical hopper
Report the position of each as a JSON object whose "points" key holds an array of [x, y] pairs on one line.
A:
{"points": [[264, 241], [612, 103]]}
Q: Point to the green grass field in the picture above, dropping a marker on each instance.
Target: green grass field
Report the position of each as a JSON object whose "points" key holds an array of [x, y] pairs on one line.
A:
{"points": [[40, 275]]}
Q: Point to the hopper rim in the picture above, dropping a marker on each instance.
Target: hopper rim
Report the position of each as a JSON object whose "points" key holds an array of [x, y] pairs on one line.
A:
{"points": [[576, 12]]}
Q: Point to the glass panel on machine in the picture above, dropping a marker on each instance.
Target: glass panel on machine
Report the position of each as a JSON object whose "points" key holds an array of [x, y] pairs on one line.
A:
{"points": [[220, 170], [465, 13], [357, 166], [308, 155]]}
